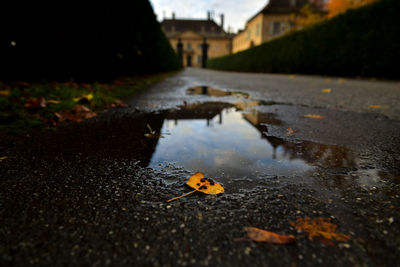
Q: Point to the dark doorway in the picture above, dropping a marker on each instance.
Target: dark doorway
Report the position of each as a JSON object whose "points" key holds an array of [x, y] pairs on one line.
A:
{"points": [[188, 61]]}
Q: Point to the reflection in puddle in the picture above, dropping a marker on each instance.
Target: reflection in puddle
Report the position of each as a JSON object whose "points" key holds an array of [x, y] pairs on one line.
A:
{"points": [[223, 141], [208, 91]]}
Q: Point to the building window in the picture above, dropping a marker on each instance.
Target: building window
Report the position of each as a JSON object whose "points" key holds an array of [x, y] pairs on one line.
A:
{"points": [[292, 2], [258, 29], [275, 27], [199, 59], [248, 34], [189, 45]]}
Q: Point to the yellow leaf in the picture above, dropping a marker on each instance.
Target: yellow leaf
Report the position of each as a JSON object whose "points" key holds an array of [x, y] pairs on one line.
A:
{"points": [[319, 227], [83, 97], [326, 90], [314, 116], [152, 134], [375, 106], [5, 92], [201, 184], [3, 158], [204, 185], [259, 235], [88, 96]]}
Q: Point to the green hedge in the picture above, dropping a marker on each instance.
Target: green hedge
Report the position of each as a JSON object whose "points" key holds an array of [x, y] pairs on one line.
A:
{"points": [[362, 42]]}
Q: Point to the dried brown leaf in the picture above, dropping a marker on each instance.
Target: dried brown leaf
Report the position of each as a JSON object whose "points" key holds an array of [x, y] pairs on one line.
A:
{"points": [[259, 235], [77, 114], [290, 131], [319, 227], [39, 102], [5, 92]]}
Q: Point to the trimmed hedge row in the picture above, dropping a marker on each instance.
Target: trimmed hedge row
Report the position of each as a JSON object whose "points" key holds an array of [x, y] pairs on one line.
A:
{"points": [[362, 42], [63, 40]]}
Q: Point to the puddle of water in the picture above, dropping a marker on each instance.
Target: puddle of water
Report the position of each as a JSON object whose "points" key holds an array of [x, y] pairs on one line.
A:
{"points": [[229, 143]]}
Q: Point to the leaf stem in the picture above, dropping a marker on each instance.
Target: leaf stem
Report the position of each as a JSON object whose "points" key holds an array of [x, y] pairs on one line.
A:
{"points": [[175, 198]]}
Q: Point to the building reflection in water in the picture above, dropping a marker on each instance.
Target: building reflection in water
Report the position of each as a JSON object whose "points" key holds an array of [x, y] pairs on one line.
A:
{"points": [[224, 140], [209, 91]]}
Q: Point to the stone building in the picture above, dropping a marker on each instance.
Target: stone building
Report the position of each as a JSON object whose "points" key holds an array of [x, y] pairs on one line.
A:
{"points": [[275, 19], [192, 33]]}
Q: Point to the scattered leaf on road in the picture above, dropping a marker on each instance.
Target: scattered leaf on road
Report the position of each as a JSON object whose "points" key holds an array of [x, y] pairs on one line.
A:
{"points": [[52, 101], [375, 106], [151, 134], [84, 98], [39, 102], [259, 235], [77, 114], [5, 92], [326, 90], [118, 104], [290, 131], [201, 184], [319, 228], [314, 116]]}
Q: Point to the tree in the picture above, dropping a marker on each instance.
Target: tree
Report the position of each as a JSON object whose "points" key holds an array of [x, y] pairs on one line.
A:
{"points": [[340, 6], [309, 15]]}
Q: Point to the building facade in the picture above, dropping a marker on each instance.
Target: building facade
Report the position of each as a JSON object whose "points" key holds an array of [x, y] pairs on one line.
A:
{"points": [[193, 34], [274, 20]]}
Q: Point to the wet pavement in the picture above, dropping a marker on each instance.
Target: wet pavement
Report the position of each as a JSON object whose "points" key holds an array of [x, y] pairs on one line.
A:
{"points": [[94, 193]]}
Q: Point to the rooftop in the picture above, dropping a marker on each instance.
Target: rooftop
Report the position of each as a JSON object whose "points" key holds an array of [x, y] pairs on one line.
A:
{"points": [[206, 27]]}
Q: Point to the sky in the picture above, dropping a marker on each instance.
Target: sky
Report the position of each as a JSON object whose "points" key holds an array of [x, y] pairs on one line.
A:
{"points": [[236, 12]]}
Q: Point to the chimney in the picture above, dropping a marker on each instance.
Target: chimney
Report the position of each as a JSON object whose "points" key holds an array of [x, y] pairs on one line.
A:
{"points": [[208, 15], [173, 15], [222, 21]]}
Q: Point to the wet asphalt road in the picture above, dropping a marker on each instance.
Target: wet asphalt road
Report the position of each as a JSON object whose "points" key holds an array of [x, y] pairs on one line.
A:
{"points": [[82, 196]]}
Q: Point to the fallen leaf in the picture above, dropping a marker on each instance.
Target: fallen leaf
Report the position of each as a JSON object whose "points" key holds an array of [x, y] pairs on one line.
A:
{"points": [[290, 131], [5, 92], [319, 227], [201, 184], [259, 235], [118, 104], [375, 106], [52, 101], [314, 116], [326, 90], [46, 120], [204, 185], [84, 98], [3, 158], [77, 114], [23, 84], [39, 102], [152, 134]]}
